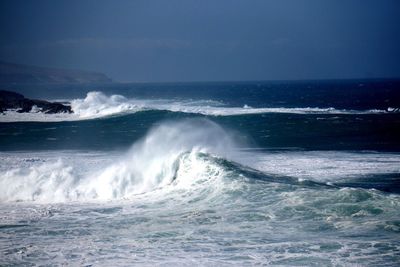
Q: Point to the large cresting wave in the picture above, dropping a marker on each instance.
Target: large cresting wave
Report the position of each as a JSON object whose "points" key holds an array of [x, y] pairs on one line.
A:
{"points": [[173, 153]]}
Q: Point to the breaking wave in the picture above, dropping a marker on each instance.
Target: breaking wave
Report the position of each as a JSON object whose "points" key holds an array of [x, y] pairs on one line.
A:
{"points": [[97, 105], [193, 155], [173, 153]]}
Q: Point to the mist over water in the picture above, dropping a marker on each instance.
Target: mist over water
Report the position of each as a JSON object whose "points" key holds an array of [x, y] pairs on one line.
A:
{"points": [[222, 152], [152, 162], [150, 181]]}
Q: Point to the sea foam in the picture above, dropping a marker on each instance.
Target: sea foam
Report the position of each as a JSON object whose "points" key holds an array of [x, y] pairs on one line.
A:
{"points": [[97, 105], [169, 153]]}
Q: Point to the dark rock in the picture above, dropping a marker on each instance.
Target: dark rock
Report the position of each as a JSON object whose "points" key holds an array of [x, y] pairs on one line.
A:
{"points": [[51, 107], [11, 100]]}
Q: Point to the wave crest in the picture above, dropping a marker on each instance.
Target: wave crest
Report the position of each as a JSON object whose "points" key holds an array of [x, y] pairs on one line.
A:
{"points": [[96, 104], [169, 154]]}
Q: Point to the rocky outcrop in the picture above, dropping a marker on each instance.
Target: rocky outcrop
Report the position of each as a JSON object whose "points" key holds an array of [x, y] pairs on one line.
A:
{"points": [[14, 101]]}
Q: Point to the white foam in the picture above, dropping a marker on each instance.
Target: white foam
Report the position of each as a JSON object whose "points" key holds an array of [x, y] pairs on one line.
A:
{"points": [[151, 163], [14, 116], [97, 104], [168, 160], [234, 111], [323, 166]]}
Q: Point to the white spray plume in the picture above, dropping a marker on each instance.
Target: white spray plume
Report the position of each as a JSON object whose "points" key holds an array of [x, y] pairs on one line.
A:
{"points": [[151, 163]]}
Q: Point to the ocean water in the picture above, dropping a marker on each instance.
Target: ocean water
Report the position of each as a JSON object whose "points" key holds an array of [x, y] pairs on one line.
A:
{"points": [[209, 174]]}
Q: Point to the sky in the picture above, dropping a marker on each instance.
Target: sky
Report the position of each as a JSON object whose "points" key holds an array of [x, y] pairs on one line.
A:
{"points": [[207, 40]]}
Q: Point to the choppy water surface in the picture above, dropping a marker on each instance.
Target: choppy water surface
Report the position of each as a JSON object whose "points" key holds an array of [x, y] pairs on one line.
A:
{"points": [[183, 182]]}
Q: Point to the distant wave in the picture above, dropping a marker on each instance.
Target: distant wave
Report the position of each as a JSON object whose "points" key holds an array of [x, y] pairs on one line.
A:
{"points": [[98, 105]]}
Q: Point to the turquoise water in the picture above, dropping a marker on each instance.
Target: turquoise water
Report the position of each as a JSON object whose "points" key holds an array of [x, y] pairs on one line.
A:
{"points": [[180, 176]]}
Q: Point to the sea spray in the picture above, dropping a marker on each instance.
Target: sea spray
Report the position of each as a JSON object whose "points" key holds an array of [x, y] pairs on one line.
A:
{"points": [[99, 105], [209, 207], [152, 162], [96, 104], [44, 182]]}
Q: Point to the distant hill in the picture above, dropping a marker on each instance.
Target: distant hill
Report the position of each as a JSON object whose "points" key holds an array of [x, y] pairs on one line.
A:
{"points": [[18, 73]]}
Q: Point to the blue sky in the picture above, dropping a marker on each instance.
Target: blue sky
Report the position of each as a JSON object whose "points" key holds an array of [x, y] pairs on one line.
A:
{"points": [[206, 40]]}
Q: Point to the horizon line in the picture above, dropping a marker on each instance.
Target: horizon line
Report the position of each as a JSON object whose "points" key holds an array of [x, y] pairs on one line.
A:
{"points": [[262, 80]]}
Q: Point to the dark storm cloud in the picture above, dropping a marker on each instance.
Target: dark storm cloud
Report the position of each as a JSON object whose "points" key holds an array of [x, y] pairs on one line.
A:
{"points": [[206, 40]]}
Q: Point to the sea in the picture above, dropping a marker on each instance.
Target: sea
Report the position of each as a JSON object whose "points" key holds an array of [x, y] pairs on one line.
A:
{"points": [[282, 173]]}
